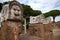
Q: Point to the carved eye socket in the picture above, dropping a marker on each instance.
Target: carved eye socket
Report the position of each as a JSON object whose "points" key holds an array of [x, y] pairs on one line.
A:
{"points": [[15, 9], [18, 10], [35, 29]]}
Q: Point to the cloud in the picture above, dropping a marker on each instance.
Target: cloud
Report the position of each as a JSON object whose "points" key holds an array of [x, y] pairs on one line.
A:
{"points": [[3, 0], [57, 18], [43, 5]]}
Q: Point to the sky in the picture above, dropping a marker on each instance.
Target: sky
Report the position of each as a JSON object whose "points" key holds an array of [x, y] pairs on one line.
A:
{"points": [[42, 5]]}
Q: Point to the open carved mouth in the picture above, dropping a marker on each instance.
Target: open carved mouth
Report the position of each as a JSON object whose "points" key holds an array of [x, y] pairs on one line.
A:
{"points": [[16, 14]]}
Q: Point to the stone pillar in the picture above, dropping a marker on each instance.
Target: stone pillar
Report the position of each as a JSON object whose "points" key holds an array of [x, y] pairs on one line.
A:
{"points": [[25, 31]]}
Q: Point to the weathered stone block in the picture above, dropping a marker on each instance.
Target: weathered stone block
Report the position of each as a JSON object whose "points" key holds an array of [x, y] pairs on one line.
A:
{"points": [[10, 30]]}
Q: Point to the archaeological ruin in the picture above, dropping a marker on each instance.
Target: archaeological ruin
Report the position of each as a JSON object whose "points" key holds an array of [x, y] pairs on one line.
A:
{"points": [[11, 27]]}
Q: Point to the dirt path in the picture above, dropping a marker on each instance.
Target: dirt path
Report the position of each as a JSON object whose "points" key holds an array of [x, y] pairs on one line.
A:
{"points": [[56, 34]]}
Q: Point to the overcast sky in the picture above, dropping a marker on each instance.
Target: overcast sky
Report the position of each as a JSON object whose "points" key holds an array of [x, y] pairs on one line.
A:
{"points": [[42, 5]]}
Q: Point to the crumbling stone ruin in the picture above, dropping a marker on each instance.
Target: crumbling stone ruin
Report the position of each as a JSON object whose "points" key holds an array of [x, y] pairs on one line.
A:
{"points": [[11, 26], [43, 31], [11, 23], [40, 19]]}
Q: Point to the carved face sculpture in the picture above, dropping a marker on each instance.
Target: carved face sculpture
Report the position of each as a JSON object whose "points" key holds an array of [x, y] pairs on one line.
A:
{"points": [[15, 12]]}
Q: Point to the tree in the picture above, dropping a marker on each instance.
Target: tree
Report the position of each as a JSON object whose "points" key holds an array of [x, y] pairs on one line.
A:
{"points": [[6, 2], [53, 13], [36, 12], [28, 11], [1, 6]]}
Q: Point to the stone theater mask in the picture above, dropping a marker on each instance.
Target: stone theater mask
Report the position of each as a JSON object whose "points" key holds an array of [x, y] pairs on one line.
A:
{"points": [[15, 11]]}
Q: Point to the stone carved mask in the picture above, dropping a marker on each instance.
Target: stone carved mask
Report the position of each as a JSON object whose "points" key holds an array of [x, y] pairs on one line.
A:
{"points": [[15, 12], [12, 11]]}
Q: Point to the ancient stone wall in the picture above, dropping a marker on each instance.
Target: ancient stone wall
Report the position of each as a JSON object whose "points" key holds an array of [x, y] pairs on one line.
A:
{"points": [[44, 31], [37, 30], [57, 24]]}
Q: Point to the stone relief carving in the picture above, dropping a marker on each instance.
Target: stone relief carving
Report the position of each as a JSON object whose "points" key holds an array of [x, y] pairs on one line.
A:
{"points": [[40, 19]]}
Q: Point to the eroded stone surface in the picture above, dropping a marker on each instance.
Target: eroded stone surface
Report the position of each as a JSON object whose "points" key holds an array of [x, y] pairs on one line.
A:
{"points": [[44, 31], [11, 30]]}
